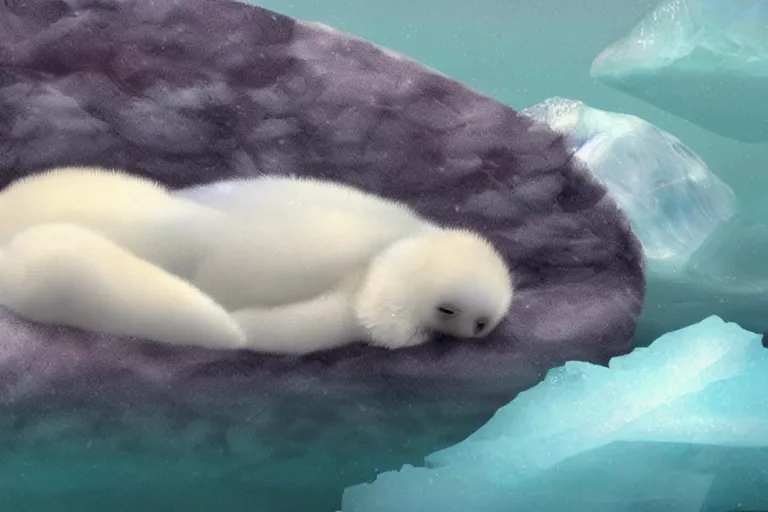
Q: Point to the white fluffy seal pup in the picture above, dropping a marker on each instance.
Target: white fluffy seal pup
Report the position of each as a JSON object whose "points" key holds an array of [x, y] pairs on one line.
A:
{"points": [[283, 266]]}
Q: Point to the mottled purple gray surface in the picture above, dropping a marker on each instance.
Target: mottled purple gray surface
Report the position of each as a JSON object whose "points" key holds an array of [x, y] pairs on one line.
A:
{"points": [[189, 91]]}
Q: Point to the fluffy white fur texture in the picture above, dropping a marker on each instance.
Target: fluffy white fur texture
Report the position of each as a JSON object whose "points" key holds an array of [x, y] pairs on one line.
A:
{"points": [[277, 265], [135, 213], [65, 274]]}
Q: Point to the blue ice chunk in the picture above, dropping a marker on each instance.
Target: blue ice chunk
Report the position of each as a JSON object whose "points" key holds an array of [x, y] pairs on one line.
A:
{"points": [[704, 60], [732, 411], [671, 197], [679, 426]]}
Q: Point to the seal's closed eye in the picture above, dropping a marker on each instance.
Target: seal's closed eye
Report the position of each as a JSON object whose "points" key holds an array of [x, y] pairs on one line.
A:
{"points": [[446, 310]]}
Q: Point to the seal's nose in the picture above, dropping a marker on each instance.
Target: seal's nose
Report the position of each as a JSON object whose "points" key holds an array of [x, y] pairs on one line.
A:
{"points": [[480, 325]]}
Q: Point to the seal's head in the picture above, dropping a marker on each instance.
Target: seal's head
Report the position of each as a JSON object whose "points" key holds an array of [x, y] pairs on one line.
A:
{"points": [[446, 281]]}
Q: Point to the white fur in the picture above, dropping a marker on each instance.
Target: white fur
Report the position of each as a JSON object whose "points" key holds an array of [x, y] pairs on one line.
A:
{"points": [[322, 322], [301, 265], [339, 265], [135, 213], [393, 300], [65, 274], [296, 238], [397, 301]]}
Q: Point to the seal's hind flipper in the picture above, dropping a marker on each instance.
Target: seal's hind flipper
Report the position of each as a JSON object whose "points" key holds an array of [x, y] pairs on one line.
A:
{"points": [[66, 274]]}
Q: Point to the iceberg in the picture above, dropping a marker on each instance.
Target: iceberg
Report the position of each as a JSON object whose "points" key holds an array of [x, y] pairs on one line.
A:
{"points": [[673, 200], [703, 60], [681, 425], [704, 255]]}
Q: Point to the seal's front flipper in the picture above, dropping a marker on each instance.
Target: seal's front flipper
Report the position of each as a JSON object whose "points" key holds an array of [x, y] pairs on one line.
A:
{"points": [[321, 323], [66, 274]]}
